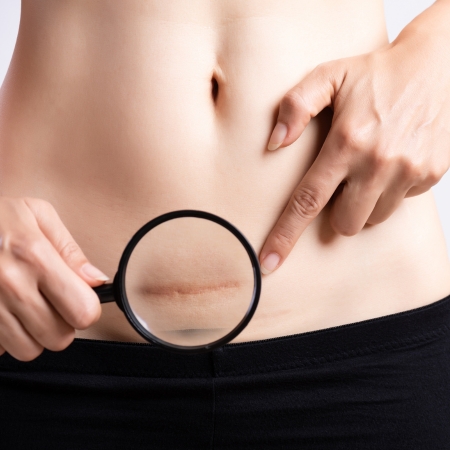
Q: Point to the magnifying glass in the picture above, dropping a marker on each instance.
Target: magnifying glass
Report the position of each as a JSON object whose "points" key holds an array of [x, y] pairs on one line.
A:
{"points": [[188, 281]]}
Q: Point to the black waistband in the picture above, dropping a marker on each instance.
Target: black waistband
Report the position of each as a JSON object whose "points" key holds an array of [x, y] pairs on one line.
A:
{"points": [[390, 332]]}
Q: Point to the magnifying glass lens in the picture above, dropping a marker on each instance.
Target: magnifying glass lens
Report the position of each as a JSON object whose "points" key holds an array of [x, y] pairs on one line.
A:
{"points": [[189, 282]]}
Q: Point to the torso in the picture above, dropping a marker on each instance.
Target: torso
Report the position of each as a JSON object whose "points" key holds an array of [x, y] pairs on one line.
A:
{"points": [[107, 112]]}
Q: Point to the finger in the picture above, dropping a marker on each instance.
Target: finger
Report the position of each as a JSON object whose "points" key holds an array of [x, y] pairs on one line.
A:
{"points": [[407, 181], [55, 231], [16, 340], [39, 318], [420, 179], [73, 298], [354, 204], [303, 102], [308, 199], [388, 202], [418, 190]]}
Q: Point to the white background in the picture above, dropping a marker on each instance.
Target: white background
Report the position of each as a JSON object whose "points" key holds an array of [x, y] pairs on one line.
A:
{"points": [[398, 14]]}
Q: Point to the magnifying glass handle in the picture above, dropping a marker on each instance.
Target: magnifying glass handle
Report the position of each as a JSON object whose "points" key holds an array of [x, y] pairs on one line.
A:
{"points": [[105, 293]]}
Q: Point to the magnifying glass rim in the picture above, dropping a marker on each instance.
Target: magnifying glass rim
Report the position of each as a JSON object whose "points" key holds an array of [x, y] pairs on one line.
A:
{"points": [[119, 281]]}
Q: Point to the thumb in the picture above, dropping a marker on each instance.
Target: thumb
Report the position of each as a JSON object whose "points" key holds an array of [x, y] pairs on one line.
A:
{"points": [[303, 102], [55, 231]]}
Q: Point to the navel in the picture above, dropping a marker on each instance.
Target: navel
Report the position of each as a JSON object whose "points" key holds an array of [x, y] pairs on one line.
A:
{"points": [[217, 83], [214, 89]]}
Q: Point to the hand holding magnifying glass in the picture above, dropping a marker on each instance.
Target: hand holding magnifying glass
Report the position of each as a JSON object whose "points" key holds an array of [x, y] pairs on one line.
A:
{"points": [[188, 281]]}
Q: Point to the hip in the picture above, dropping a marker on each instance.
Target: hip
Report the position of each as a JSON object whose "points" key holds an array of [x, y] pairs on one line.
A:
{"points": [[324, 389], [331, 280]]}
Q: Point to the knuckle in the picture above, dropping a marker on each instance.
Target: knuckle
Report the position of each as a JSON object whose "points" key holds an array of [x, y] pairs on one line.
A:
{"points": [[305, 203], [80, 320], [9, 274], [27, 247], [3, 319], [29, 353], [86, 316], [321, 69], [294, 100], [284, 238], [62, 341], [41, 334], [70, 252], [54, 337], [347, 135], [12, 204], [434, 176], [410, 170], [31, 201], [83, 321], [41, 209], [38, 204], [24, 301], [344, 228], [377, 218], [326, 71], [351, 136], [378, 161]]}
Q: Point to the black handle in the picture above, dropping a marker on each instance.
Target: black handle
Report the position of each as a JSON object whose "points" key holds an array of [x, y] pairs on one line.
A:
{"points": [[105, 293]]}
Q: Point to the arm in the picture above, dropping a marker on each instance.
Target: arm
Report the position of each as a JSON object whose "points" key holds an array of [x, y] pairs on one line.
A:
{"points": [[390, 134]]}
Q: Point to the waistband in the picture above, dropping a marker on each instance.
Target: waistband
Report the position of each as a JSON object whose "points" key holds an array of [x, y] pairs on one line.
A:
{"points": [[391, 332]]}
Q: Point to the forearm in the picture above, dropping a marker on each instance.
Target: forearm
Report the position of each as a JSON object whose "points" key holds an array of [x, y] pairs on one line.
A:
{"points": [[433, 26]]}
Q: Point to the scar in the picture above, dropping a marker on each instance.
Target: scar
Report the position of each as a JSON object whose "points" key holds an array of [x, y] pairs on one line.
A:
{"points": [[188, 289]]}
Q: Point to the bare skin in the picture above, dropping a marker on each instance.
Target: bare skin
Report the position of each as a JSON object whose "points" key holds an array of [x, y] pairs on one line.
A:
{"points": [[115, 112]]}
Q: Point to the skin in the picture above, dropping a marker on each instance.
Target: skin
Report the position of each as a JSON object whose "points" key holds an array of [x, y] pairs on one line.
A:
{"points": [[109, 116], [389, 138], [173, 291]]}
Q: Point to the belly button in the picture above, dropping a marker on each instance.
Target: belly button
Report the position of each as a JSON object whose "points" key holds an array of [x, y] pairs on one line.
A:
{"points": [[214, 88]]}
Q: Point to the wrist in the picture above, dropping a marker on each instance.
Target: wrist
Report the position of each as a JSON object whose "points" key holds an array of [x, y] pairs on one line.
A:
{"points": [[426, 41], [431, 25]]}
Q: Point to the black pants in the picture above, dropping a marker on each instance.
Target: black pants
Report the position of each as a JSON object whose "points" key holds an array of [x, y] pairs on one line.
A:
{"points": [[378, 384]]}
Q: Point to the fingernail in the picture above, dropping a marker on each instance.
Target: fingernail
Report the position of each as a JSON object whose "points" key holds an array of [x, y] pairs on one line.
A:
{"points": [[93, 272], [278, 135], [269, 263]]}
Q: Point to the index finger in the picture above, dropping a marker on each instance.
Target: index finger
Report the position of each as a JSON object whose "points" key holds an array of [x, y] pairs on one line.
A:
{"points": [[308, 199]]}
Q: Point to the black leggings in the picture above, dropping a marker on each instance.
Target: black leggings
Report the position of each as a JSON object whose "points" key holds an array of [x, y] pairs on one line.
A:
{"points": [[377, 384]]}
